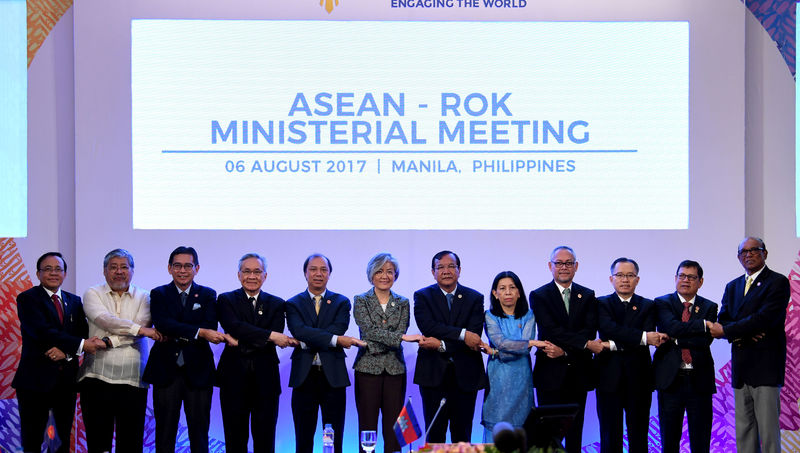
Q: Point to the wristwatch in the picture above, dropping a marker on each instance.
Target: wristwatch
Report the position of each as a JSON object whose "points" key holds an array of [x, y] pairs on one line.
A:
{"points": [[107, 341]]}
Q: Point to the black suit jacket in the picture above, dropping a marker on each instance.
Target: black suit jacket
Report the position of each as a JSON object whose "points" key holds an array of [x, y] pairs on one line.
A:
{"points": [[692, 335], [570, 332], [435, 320], [316, 332], [41, 330], [180, 324], [763, 310], [629, 365], [252, 328]]}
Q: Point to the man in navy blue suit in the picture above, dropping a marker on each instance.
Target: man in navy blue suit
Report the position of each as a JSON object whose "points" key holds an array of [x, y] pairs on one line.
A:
{"points": [[449, 363], [318, 319], [683, 366], [752, 318], [53, 328], [181, 369], [627, 326]]}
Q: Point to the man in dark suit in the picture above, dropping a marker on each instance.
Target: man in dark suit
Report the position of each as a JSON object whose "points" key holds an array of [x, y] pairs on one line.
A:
{"points": [[627, 325], [53, 328], [683, 366], [318, 319], [566, 316], [181, 369], [752, 318], [248, 375], [449, 364]]}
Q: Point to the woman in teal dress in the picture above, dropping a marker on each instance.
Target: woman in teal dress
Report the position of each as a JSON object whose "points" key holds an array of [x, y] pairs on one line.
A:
{"points": [[511, 330]]}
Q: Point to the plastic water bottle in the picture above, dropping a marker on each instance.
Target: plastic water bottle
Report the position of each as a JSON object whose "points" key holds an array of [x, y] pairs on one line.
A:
{"points": [[327, 439]]}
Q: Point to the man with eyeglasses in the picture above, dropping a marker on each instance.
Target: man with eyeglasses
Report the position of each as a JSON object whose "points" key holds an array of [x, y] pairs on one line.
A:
{"points": [[449, 364], [318, 318], [684, 366], [53, 329], [181, 369], [248, 376], [566, 316], [113, 396], [752, 318], [627, 325]]}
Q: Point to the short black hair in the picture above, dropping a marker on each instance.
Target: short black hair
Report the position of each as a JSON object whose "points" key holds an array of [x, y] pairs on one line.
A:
{"points": [[441, 255], [316, 255], [622, 259], [184, 250], [690, 264], [522, 302], [48, 254]]}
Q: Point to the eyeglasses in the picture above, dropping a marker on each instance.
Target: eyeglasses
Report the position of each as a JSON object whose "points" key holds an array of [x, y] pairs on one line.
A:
{"points": [[251, 271], [51, 269], [744, 252], [688, 277], [563, 264], [179, 266], [115, 268], [621, 276], [449, 267]]}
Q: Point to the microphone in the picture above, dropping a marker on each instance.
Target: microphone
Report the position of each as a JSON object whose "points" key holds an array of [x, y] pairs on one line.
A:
{"points": [[441, 405]]}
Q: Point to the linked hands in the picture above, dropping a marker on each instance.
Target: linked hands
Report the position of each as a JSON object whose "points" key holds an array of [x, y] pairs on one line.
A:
{"points": [[715, 329], [282, 340], [656, 338], [412, 338], [92, 345], [345, 342], [152, 333], [212, 336]]}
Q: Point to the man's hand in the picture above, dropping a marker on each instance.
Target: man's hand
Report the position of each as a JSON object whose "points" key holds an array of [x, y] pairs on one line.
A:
{"points": [[596, 346], [151, 332], [280, 339], [92, 345], [472, 340], [55, 354], [656, 338], [429, 343], [412, 338], [212, 336], [230, 341], [552, 350], [345, 342], [716, 330], [758, 336], [487, 349]]}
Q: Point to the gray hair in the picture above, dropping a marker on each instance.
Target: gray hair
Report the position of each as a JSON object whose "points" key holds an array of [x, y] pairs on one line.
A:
{"points": [[377, 262], [755, 238], [563, 247], [118, 253], [247, 256]]}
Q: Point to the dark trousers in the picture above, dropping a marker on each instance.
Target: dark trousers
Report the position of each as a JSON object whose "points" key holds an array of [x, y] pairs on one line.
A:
{"points": [[458, 409], [108, 407], [636, 407], [571, 392], [252, 404], [313, 394], [167, 402], [382, 393], [679, 397], [34, 409]]}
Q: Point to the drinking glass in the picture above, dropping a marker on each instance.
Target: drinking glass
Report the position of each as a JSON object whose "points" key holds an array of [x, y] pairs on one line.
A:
{"points": [[368, 440]]}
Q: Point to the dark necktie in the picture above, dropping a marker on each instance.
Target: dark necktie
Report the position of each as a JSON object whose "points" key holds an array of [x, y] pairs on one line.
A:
{"points": [[59, 308], [252, 301], [449, 301], [686, 356], [184, 296]]}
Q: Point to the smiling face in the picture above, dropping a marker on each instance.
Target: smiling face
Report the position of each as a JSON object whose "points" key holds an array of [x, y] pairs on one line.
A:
{"points": [[383, 279], [317, 274], [183, 269], [507, 294], [563, 267], [446, 272], [118, 274], [252, 275], [688, 282], [51, 273], [624, 279]]}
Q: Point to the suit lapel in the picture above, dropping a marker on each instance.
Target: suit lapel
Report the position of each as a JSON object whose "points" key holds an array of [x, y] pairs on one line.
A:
{"points": [[244, 305], [558, 301]]}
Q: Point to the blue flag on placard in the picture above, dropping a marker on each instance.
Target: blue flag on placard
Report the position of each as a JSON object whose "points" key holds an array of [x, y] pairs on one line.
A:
{"points": [[406, 428], [51, 440]]}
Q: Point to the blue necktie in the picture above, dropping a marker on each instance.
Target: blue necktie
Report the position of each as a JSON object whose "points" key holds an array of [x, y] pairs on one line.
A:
{"points": [[449, 301]]}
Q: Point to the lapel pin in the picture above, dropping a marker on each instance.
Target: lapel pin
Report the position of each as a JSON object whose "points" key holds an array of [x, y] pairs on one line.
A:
{"points": [[758, 284], [392, 304], [696, 309], [459, 296], [260, 312], [328, 301], [579, 295], [634, 308], [195, 294], [384, 321]]}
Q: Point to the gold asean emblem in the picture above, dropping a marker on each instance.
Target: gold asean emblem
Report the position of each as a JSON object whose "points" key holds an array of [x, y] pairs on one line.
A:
{"points": [[328, 4]]}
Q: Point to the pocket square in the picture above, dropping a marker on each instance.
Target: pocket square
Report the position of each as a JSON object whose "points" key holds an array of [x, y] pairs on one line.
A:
{"points": [[196, 306]]}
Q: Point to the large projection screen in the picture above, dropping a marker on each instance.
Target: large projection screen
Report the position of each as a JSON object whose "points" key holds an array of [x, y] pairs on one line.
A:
{"points": [[707, 224]]}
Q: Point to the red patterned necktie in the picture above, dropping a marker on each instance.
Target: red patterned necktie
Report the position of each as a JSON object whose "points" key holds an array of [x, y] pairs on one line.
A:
{"points": [[59, 309], [686, 356]]}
